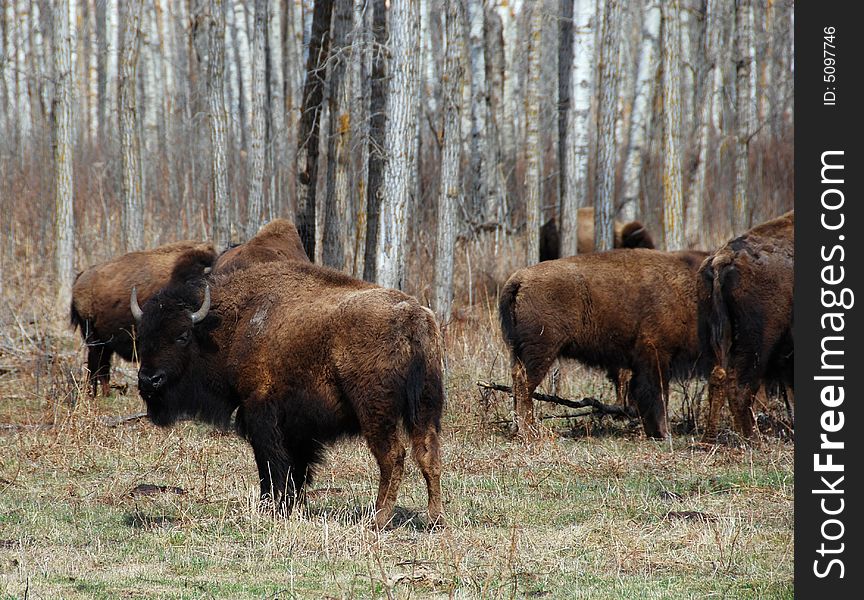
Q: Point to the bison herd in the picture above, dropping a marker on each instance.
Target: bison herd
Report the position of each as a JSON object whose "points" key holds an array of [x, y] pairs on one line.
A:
{"points": [[298, 355]]}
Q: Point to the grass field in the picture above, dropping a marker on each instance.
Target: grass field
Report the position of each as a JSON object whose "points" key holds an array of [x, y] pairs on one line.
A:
{"points": [[591, 510]]}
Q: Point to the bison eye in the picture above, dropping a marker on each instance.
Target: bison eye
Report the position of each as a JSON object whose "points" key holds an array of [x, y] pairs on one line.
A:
{"points": [[183, 338]]}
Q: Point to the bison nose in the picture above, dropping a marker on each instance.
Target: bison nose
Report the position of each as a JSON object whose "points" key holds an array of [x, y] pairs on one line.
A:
{"points": [[151, 382]]}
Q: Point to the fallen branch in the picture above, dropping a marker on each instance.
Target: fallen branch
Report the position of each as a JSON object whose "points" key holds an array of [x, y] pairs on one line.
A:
{"points": [[620, 412], [119, 420]]}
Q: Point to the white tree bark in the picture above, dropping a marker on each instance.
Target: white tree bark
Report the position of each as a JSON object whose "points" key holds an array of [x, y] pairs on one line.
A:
{"points": [[167, 58], [9, 71], [150, 104], [256, 113], [130, 148], [360, 96], [642, 108], [673, 200], [532, 137], [112, 44], [275, 206], [232, 94], [577, 139], [449, 192], [604, 188], [744, 108], [399, 137], [92, 73], [221, 209], [244, 56], [23, 115], [42, 65], [477, 60], [64, 220]]}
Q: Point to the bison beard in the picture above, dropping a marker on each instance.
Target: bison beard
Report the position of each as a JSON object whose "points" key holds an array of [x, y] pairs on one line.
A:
{"points": [[305, 356], [624, 309], [745, 319]]}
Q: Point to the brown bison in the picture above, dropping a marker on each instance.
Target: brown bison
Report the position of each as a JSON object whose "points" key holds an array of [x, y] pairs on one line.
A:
{"points": [[745, 318], [627, 235], [277, 240], [306, 356], [623, 309], [100, 298]]}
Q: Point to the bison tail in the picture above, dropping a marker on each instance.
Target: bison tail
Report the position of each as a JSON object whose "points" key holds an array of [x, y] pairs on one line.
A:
{"points": [[507, 312], [423, 393], [75, 318], [721, 326]]}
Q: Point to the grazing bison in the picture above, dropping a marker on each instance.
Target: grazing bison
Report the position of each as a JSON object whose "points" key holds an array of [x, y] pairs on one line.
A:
{"points": [[305, 355], [100, 298], [623, 309], [745, 318], [627, 235], [277, 240]]}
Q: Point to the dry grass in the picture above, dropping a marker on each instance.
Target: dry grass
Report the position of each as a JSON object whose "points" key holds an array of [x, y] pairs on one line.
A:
{"points": [[593, 510]]}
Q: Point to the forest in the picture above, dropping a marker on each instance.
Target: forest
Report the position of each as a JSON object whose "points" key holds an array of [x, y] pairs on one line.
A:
{"points": [[432, 146]]}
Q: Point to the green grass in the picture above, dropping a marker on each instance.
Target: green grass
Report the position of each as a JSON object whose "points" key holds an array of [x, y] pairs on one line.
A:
{"points": [[572, 515]]}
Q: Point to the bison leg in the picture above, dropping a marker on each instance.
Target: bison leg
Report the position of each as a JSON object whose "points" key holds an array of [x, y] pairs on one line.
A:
{"points": [[390, 454], [426, 451], [526, 378], [716, 392], [740, 394], [648, 394], [99, 365]]}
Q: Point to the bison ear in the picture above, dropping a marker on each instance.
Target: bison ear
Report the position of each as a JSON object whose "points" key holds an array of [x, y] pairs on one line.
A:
{"points": [[137, 313], [199, 314]]}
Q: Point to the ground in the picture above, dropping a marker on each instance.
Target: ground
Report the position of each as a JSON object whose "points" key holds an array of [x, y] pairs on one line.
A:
{"points": [[591, 510]]}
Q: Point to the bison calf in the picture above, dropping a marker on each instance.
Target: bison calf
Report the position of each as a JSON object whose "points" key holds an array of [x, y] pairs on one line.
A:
{"points": [[100, 298], [305, 355], [745, 318], [624, 309]]}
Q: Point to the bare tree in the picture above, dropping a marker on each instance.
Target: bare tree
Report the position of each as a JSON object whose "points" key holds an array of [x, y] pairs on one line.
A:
{"points": [[449, 194], [743, 110], [244, 60], [360, 92], [400, 168], [478, 177], [130, 145], [377, 124], [278, 159], [221, 205], [112, 44], [23, 114], [310, 122], [258, 131], [604, 188], [673, 200], [532, 138], [64, 219]]}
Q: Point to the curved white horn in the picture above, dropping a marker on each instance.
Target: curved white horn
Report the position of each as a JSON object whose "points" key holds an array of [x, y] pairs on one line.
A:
{"points": [[199, 314], [136, 309]]}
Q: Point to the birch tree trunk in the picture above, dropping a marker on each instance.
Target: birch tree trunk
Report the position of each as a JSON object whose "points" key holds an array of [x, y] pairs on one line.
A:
{"points": [[642, 105], [360, 91], [673, 204], [233, 93], [400, 168], [310, 121], [278, 132], [64, 220], [221, 209], [42, 65], [449, 196], [532, 138], [244, 58], [92, 73], [577, 135], [130, 145], [258, 131], [477, 61], [112, 44], [335, 239], [604, 188], [744, 106], [499, 119], [150, 105], [9, 71], [24, 115], [377, 124]]}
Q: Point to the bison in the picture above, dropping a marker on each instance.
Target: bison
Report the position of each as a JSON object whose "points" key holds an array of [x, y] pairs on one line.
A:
{"points": [[627, 235], [623, 309], [304, 356], [745, 319], [277, 240], [100, 298]]}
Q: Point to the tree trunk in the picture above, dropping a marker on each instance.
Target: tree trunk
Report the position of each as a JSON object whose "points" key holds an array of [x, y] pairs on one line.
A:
{"points": [[130, 145], [400, 168], [23, 115], [92, 73], [256, 110], [43, 66], [574, 176], [673, 200], [377, 124], [112, 45], [642, 105], [9, 71], [233, 93], [477, 60], [64, 220], [744, 106], [449, 193], [244, 60], [498, 118], [335, 238], [532, 138], [221, 209], [360, 90], [310, 122], [276, 207], [604, 188]]}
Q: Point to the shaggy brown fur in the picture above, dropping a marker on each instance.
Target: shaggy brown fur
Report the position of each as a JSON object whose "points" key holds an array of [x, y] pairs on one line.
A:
{"points": [[306, 355], [627, 235], [100, 298], [745, 318], [277, 240], [624, 309]]}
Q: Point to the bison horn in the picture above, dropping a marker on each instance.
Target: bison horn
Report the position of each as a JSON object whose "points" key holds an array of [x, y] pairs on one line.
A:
{"points": [[136, 309], [199, 314]]}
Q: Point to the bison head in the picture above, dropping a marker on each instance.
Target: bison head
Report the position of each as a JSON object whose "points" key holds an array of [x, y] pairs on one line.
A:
{"points": [[173, 345]]}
